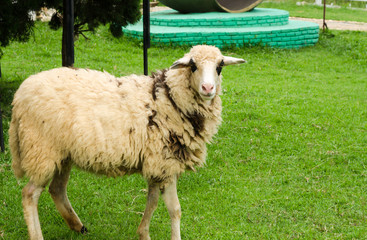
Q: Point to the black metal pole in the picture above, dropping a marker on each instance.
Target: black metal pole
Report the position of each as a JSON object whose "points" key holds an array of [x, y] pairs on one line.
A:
{"points": [[2, 145], [146, 33], [324, 18], [68, 31]]}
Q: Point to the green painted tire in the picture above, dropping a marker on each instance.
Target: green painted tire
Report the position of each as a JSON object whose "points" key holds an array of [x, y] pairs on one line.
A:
{"points": [[192, 6]]}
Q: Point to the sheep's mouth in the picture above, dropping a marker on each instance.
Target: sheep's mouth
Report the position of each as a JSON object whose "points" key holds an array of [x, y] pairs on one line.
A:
{"points": [[208, 96]]}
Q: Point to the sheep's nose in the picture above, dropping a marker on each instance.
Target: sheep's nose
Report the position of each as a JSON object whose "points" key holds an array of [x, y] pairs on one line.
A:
{"points": [[207, 88]]}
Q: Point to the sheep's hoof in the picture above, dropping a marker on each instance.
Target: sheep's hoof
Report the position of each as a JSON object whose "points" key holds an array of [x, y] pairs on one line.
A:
{"points": [[84, 230]]}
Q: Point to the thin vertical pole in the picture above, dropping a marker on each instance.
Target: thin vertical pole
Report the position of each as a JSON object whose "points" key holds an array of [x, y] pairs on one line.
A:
{"points": [[146, 33], [68, 32], [324, 18], [2, 145]]}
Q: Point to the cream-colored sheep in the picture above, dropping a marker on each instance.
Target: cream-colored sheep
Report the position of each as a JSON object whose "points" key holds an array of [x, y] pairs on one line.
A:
{"points": [[157, 126]]}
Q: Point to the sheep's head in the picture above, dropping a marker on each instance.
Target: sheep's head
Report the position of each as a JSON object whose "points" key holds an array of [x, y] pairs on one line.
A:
{"points": [[205, 64]]}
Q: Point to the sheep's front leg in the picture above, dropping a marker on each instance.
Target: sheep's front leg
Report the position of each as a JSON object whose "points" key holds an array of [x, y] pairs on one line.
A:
{"points": [[173, 205], [152, 202]]}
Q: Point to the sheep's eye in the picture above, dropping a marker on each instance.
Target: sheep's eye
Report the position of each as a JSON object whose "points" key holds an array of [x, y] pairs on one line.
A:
{"points": [[219, 68], [193, 66]]}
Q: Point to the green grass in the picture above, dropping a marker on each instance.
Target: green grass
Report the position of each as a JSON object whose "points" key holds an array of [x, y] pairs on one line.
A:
{"points": [[313, 11], [288, 162]]}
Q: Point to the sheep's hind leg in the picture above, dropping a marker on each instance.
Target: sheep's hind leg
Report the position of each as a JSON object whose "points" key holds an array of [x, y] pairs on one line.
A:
{"points": [[57, 190], [30, 197], [152, 202], [170, 198]]}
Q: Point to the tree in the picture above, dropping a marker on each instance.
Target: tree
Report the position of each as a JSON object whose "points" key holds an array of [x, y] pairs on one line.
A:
{"points": [[16, 23], [89, 14]]}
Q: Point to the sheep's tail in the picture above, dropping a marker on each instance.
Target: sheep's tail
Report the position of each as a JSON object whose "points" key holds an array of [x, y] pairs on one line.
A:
{"points": [[15, 148]]}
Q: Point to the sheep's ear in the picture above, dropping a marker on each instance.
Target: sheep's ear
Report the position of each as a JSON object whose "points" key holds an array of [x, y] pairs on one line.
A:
{"points": [[232, 60], [182, 62]]}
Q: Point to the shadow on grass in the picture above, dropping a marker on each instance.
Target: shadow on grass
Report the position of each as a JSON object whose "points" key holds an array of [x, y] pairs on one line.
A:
{"points": [[7, 90]]}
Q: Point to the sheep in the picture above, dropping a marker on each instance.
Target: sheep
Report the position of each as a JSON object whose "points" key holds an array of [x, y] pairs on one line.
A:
{"points": [[156, 125]]}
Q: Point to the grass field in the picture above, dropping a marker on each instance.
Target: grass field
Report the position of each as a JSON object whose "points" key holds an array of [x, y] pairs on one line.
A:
{"points": [[312, 11], [289, 162]]}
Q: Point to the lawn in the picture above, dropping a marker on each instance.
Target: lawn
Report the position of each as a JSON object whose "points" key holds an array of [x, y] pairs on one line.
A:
{"points": [[288, 162], [308, 10]]}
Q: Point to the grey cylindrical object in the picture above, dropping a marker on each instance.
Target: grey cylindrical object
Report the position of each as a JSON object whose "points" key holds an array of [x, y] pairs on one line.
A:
{"points": [[193, 6]]}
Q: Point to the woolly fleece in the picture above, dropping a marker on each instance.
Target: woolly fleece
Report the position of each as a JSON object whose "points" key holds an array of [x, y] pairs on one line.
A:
{"points": [[157, 126]]}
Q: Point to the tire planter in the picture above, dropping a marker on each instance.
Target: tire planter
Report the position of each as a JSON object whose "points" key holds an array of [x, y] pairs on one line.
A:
{"points": [[200, 6]]}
